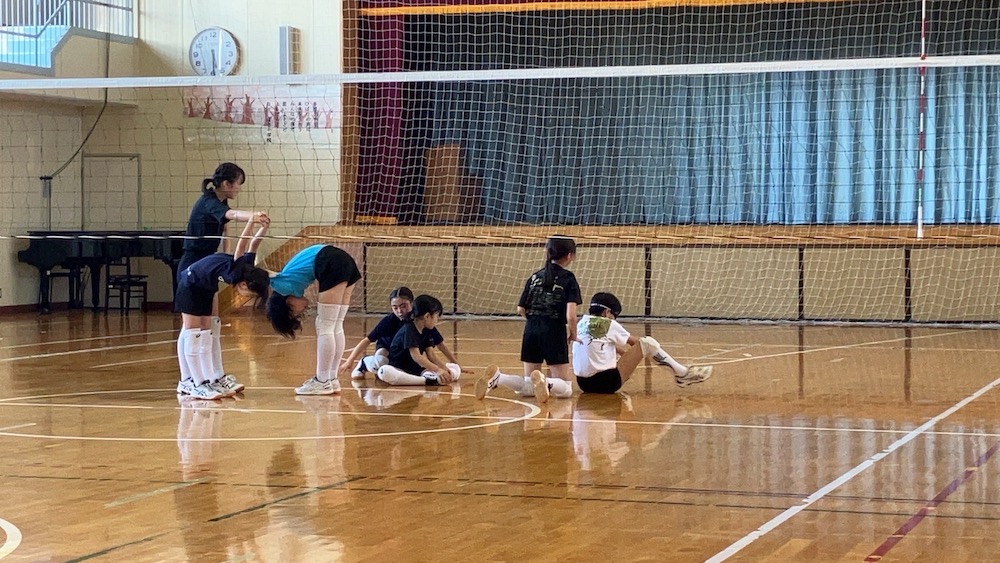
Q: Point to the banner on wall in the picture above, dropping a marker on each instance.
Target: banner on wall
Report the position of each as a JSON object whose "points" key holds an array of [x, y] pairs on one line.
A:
{"points": [[264, 114]]}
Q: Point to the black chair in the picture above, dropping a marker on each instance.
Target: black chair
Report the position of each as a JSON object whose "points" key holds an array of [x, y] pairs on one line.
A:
{"points": [[124, 287]]}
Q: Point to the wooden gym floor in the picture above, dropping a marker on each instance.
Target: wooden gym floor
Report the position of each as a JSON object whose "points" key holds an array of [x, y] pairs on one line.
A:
{"points": [[809, 444]]}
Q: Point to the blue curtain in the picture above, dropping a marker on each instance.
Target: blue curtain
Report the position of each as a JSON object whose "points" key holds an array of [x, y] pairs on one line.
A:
{"points": [[782, 148]]}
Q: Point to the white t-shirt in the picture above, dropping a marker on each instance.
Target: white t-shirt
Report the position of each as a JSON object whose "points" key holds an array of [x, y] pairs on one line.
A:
{"points": [[597, 350]]}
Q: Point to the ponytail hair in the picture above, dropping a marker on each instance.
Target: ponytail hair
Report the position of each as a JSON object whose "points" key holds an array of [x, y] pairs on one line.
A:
{"points": [[257, 280], [425, 304], [557, 248], [227, 171]]}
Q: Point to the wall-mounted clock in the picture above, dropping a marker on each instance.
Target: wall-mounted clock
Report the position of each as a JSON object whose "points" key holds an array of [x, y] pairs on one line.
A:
{"points": [[214, 52]]}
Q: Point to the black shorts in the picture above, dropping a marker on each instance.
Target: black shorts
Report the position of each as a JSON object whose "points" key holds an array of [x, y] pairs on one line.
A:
{"points": [[193, 300], [187, 258], [544, 340], [334, 267], [605, 382]]}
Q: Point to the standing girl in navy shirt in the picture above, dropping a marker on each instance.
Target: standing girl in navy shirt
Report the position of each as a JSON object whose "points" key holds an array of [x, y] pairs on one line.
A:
{"points": [[207, 227], [197, 290]]}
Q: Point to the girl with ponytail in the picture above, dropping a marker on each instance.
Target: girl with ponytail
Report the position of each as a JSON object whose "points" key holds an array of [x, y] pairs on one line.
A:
{"points": [[548, 303]]}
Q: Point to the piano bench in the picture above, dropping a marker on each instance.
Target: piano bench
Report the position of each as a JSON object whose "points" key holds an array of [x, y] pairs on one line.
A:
{"points": [[125, 290]]}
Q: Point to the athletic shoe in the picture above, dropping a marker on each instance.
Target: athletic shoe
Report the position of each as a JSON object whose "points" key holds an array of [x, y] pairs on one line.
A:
{"points": [[229, 383], [220, 388], [695, 374], [205, 391], [359, 372], [313, 386], [487, 382], [185, 387], [431, 380], [541, 386]]}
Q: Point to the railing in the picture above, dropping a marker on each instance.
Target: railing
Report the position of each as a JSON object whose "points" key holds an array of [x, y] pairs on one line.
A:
{"points": [[31, 29]]}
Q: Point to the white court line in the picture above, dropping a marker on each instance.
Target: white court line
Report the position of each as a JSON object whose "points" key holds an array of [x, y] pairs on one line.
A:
{"points": [[86, 351], [250, 411], [16, 426], [723, 425], [531, 412], [144, 360], [109, 337], [843, 479], [829, 348], [13, 538], [142, 496]]}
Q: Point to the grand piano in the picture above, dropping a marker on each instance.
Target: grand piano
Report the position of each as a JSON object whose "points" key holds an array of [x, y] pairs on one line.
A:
{"points": [[75, 250]]}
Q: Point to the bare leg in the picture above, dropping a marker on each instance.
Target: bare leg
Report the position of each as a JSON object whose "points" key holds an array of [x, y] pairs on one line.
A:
{"points": [[629, 361]]}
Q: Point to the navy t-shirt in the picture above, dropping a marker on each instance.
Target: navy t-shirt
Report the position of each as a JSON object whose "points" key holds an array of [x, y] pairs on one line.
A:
{"points": [[409, 337], [208, 218], [386, 328], [550, 304], [210, 270]]}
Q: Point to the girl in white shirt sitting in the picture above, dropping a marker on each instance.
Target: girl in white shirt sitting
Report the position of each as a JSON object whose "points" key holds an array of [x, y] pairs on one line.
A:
{"points": [[600, 338]]}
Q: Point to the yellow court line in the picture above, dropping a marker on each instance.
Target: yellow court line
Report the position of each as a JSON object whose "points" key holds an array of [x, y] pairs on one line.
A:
{"points": [[583, 5]]}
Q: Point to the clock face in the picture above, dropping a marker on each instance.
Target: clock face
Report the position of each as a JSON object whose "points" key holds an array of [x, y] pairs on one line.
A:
{"points": [[214, 52]]}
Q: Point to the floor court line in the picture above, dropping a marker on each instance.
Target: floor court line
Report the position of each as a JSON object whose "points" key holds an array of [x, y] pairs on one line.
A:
{"points": [[17, 426], [790, 512], [252, 411], [86, 351], [831, 348], [938, 499], [148, 494], [12, 540], [90, 339]]}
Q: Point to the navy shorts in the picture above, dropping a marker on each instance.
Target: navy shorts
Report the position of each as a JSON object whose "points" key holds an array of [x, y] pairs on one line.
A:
{"points": [[544, 340], [334, 267], [604, 382], [193, 300]]}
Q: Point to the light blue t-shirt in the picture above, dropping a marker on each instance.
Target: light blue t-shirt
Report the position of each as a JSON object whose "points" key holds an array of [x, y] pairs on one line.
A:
{"points": [[298, 273]]}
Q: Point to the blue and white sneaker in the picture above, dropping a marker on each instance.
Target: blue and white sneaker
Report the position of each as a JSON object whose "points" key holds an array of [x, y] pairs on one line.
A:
{"points": [[313, 386]]}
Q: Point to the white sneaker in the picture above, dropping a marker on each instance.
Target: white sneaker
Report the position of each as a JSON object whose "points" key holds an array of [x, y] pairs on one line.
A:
{"points": [[205, 391], [360, 370], [220, 388], [695, 374], [541, 386], [185, 387], [229, 383], [487, 382], [313, 386]]}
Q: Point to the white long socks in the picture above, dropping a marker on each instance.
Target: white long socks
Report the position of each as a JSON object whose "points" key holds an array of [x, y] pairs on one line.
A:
{"points": [[515, 383], [326, 341], [217, 369], [522, 385], [189, 354], [185, 354], [205, 347], [557, 387], [330, 339], [395, 376]]}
